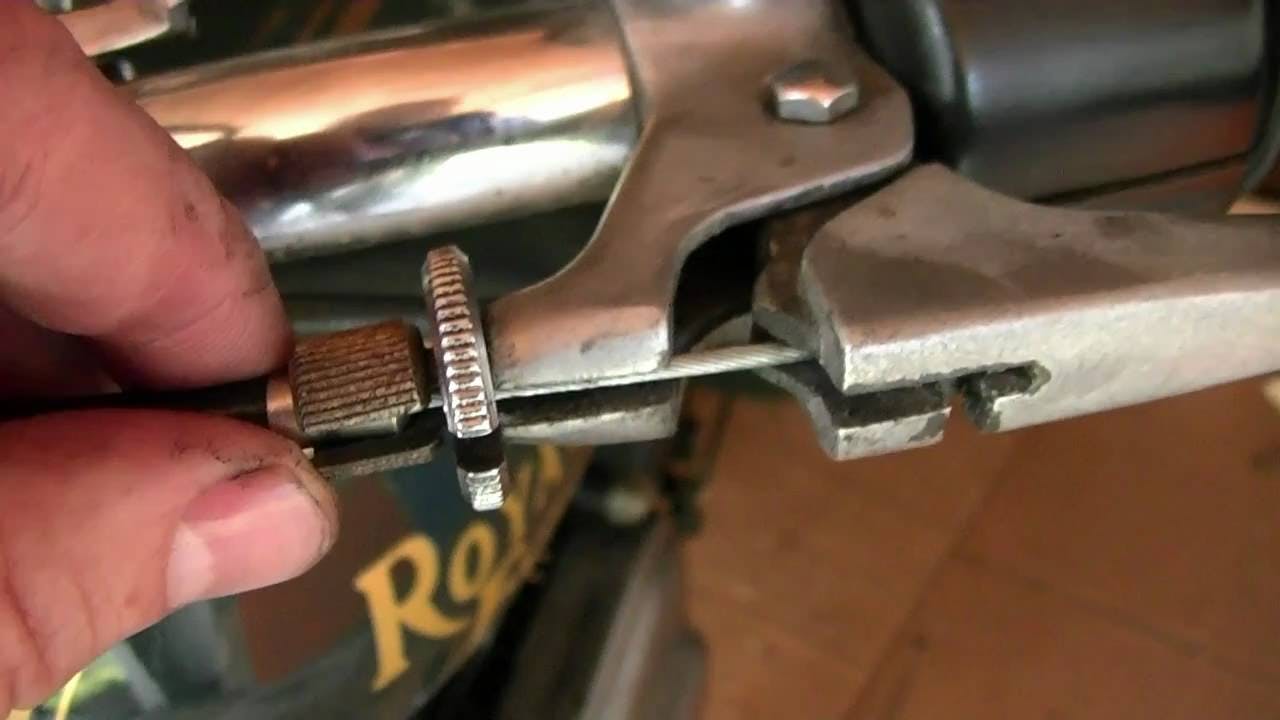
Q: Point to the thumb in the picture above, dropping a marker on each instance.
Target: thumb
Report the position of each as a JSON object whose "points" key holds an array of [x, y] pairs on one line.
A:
{"points": [[111, 519]]}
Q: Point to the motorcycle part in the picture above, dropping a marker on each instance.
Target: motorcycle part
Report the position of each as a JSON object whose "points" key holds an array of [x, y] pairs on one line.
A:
{"points": [[465, 379], [319, 165], [357, 383], [1083, 97], [1032, 313], [711, 156], [332, 146], [806, 93]]}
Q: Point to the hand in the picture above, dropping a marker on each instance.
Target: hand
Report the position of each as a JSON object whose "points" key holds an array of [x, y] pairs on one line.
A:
{"points": [[120, 265]]}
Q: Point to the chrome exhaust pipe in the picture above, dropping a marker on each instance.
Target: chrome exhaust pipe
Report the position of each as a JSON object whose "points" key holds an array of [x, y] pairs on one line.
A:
{"points": [[370, 139]]}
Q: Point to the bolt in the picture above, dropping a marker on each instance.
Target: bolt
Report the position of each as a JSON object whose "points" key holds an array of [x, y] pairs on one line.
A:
{"points": [[486, 489], [806, 93]]}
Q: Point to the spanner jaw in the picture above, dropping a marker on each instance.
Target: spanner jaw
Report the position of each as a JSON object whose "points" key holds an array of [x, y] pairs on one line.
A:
{"points": [[1031, 314]]}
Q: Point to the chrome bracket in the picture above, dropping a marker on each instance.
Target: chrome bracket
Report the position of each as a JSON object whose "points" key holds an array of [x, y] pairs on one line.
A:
{"points": [[711, 155]]}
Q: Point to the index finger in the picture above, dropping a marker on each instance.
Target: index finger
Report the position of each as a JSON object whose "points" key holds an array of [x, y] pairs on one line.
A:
{"points": [[109, 231]]}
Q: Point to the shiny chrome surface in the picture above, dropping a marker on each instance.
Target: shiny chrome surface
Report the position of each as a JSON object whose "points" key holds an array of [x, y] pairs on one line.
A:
{"points": [[711, 155], [118, 24], [807, 93], [457, 339], [465, 383], [417, 130]]}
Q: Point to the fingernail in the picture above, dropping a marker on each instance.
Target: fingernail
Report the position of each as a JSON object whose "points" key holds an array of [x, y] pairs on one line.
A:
{"points": [[255, 530]]}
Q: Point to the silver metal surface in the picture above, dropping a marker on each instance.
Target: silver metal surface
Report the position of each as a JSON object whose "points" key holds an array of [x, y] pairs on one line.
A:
{"points": [[456, 336], [604, 416], [118, 24], [357, 141], [1037, 313], [808, 93], [485, 490], [711, 155], [457, 339], [702, 363], [358, 383], [857, 427], [414, 445]]}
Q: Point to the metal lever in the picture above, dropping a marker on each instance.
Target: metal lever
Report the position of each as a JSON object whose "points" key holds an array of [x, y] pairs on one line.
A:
{"points": [[936, 286]]}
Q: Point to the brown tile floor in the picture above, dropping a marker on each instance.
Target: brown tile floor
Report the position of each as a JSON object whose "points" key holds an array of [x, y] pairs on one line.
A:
{"points": [[1125, 565]]}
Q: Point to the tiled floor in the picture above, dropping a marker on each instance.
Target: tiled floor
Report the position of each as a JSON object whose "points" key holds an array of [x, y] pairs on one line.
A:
{"points": [[1125, 565]]}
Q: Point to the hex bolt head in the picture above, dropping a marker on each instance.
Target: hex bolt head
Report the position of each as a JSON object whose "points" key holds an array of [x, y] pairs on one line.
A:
{"points": [[806, 93]]}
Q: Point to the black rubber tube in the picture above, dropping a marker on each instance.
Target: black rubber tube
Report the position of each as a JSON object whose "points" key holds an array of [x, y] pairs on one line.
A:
{"points": [[244, 400]]}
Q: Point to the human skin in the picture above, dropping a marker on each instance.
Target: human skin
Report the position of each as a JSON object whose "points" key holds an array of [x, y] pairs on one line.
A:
{"points": [[121, 266]]}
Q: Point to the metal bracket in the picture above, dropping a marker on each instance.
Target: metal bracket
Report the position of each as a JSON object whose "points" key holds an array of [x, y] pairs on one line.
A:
{"points": [[605, 416], [875, 424], [711, 155], [1032, 313]]}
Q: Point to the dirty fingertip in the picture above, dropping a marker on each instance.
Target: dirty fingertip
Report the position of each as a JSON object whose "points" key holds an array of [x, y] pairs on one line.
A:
{"points": [[255, 530]]}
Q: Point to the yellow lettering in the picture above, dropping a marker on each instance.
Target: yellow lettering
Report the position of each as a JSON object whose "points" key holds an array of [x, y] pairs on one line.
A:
{"points": [[465, 577], [510, 571], [416, 612], [513, 508], [20, 715], [552, 465], [477, 574], [550, 477], [68, 696]]}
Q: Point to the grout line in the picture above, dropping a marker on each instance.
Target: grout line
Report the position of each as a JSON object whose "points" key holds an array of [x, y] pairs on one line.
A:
{"points": [[887, 667], [721, 597], [1184, 646]]}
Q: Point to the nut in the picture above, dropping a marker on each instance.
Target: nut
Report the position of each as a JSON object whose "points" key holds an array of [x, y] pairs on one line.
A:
{"points": [[806, 93]]}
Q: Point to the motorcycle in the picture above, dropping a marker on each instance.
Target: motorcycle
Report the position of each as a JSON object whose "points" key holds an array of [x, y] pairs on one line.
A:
{"points": [[515, 233]]}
